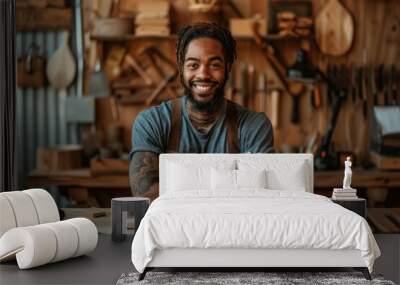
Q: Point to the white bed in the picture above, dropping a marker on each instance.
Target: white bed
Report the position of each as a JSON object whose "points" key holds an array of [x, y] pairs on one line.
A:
{"points": [[247, 210]]}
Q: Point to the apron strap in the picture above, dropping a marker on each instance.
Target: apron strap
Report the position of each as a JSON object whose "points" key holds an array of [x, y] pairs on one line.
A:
{"points": [[232, 128], [176, 126]]}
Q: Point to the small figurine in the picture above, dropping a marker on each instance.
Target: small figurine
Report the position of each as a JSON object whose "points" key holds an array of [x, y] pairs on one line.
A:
{"points": [[347, 174]]}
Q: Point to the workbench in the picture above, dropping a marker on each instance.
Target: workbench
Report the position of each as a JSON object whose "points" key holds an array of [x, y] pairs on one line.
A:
{"points": [[106, 186], [322, 179]]}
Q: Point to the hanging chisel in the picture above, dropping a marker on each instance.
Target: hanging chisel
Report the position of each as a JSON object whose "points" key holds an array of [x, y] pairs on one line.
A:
{"points": [[379, 84], [397, 83], [261, 96], [250, 85], [360, 88], [353, 83], [374, 90], [275, 94], [393, 85], [365, 81], [316, 102], [386, 76], [330, 77]]}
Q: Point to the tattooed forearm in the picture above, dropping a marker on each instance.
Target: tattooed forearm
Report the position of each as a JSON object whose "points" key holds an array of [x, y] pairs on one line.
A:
{"points": [[143, 174]]}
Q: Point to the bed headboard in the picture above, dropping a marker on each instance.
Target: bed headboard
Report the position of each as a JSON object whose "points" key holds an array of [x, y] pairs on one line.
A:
{"points": [[267, 158]]}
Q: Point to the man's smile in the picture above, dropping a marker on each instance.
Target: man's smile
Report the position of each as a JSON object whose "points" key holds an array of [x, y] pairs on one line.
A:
{"points": [[203, 88]]}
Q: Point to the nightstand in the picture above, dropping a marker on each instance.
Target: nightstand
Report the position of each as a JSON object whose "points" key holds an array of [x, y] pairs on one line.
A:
{"points": [[357, 205]]}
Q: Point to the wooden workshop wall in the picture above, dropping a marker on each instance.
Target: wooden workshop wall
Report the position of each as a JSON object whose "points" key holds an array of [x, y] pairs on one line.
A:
{"points": [[40, 111], [377, 40]]}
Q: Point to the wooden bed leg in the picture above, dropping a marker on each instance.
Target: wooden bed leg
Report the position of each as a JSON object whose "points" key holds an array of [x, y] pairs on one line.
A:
{"points": [[143, 274], [364, 271]]}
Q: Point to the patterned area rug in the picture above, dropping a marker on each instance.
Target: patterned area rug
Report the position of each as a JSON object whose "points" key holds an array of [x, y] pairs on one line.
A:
{"points": [[242, 278]]}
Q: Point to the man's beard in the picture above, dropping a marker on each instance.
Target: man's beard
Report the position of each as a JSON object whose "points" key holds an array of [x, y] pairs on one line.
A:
{"points": [[209, 106]]}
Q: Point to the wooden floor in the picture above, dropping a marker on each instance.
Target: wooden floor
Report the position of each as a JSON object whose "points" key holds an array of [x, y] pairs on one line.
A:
{"points": [[102, 266]]}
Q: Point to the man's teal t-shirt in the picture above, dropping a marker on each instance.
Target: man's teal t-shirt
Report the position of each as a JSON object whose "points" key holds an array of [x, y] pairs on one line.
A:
{"points": [[151, 131]]}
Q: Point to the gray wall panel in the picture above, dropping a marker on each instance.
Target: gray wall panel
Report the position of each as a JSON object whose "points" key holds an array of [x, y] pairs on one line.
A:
{"points": [[41, 112], [41, 101]]}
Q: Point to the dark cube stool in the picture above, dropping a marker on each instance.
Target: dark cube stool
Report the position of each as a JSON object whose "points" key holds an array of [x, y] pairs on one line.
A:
{"points": [[123, 209]]}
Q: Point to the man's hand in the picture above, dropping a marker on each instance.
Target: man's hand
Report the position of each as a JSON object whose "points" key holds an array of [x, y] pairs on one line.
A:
{"points": [[143, 174]]}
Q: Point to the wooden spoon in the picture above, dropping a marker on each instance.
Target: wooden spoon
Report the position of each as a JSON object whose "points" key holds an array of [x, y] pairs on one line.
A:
{"points": [[60, 71], [61, 67]]}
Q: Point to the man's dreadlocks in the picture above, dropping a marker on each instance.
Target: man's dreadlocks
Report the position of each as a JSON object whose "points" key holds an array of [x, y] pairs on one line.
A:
{"points": [[208, 30]]}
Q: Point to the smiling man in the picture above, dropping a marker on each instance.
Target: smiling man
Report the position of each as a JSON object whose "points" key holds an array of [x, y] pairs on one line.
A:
{"points": [[201, 121]]}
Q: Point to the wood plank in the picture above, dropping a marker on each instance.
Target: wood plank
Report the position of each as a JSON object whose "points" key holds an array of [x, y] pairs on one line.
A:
{"points": [[28, 19]]}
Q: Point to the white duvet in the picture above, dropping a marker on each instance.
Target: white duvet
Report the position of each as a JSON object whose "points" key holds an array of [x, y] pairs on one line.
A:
{"points": [[253, 218]]}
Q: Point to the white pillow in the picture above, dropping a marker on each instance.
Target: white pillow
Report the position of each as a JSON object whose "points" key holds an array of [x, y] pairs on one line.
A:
{"points": [[188, 176], [237, 179], [223, 179], [281, 174], [251, 179]]}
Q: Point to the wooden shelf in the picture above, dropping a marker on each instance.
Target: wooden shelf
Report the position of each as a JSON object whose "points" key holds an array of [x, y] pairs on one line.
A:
{"points": [[175, 37], [131, 38], [33, 19]]}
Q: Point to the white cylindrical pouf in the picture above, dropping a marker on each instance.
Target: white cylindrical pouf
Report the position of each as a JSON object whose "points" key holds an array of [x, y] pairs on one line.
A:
{"points": [[7, 218], [45, 205], [23, 207], [87, 235], [34, 245], [67, 239]]}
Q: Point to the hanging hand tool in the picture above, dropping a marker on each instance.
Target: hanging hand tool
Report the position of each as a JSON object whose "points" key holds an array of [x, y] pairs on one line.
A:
{"points": [[344, 81], [316, 96], [379, 79], [326, 158], [385, 86], [373, 81], [261, 95], [361, 88], [329, 74], [275, 108], [295, 93], [397, 85], [392, 85], [352, 80], [31, 69], [365, 90], [251, 77]]}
